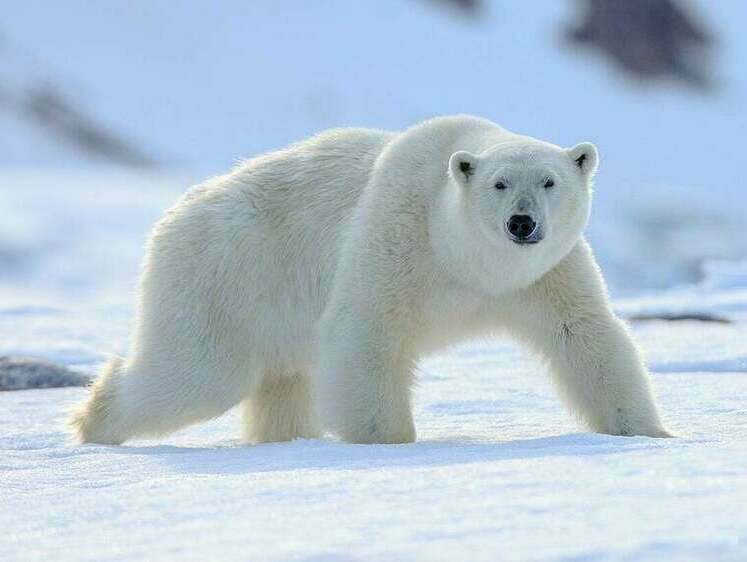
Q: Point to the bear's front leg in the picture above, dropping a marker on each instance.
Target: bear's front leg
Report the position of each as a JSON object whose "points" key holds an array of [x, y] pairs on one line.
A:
{"points": [[567, 318], [364, 380]]}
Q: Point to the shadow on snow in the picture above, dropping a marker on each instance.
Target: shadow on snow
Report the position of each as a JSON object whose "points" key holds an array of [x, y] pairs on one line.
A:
{"points": [[329, 455]]}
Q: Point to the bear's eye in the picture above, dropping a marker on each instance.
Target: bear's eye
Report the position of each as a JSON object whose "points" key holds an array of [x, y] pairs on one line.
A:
{"points": [[500, 185], [549, 183]]}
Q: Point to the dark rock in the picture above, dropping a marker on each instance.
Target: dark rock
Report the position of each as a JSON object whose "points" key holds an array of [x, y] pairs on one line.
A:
{"points": [[648, 39], [673, 317], [21, 373]]}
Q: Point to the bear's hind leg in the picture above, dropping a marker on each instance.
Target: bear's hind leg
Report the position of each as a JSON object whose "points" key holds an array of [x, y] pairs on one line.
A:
{"points": [[280, 408], [93, 420], [133, 400]]}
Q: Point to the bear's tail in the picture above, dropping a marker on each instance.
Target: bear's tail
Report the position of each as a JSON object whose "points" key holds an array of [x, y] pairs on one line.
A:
{"points": [[96, 420]]}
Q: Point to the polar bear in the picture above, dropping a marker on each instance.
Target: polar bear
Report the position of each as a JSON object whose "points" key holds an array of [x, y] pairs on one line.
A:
{"points": [[309, 281]]}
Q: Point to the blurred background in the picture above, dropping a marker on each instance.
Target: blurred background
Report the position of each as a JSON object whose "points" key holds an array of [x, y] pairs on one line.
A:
{"points": [[110, 110]]}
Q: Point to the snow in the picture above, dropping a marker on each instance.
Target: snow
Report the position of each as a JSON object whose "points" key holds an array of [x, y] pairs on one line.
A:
{"points": [[500, 471]]}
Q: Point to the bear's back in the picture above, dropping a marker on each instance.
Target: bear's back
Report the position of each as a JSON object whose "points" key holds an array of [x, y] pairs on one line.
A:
{"points": [[326, 172]]}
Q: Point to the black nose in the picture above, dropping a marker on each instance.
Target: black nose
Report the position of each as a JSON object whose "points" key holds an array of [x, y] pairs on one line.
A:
{"points": [[521, 226]]}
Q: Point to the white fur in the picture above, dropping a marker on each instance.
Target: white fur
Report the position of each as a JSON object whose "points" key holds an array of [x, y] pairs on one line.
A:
{"points": [[337, 263]]}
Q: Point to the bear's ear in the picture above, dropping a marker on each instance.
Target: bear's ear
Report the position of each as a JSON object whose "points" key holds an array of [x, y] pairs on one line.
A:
{"points": [[586, 157], [462, 166]]}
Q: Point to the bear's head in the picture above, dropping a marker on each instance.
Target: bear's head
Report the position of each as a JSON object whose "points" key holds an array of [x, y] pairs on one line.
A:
{"points": [[526, 203]]}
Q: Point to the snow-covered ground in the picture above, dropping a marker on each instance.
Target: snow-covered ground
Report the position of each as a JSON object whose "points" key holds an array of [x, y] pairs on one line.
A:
{"points": [[500, 472]]}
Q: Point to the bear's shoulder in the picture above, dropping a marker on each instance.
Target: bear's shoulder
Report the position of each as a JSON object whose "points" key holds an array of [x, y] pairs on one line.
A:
{"points": [[458, 126], [437, 138]]}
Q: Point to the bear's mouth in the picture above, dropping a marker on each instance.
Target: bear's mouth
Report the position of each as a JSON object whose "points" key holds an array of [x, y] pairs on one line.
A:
{"points": [[525, 242]]}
